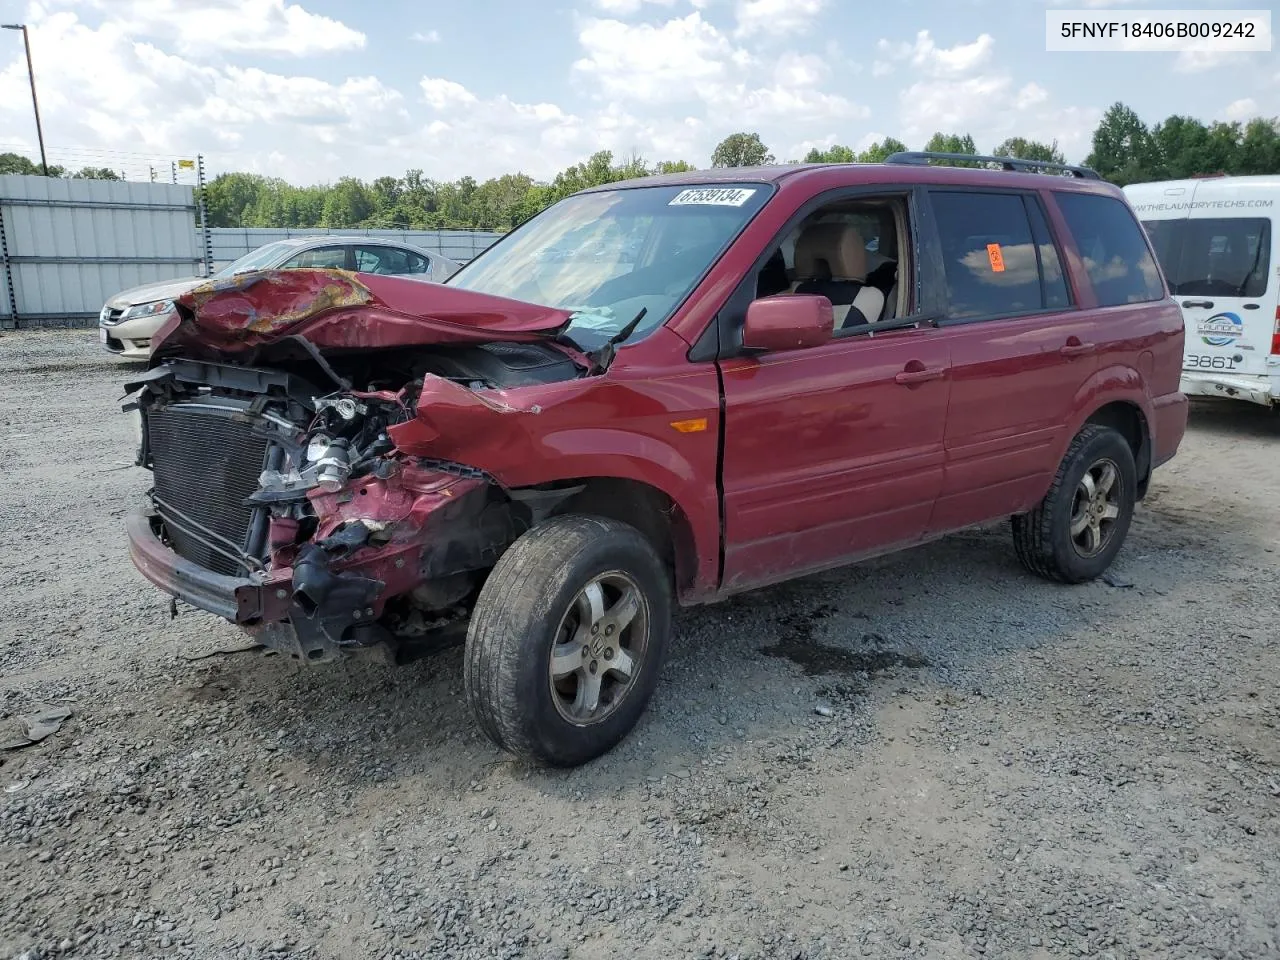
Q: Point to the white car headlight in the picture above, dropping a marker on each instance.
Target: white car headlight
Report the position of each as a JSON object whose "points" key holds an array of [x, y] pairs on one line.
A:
{"points": [[152, 309]]}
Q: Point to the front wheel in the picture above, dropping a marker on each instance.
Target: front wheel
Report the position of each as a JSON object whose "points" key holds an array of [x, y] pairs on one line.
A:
{"points": [[1075, 532], [567, 639]]}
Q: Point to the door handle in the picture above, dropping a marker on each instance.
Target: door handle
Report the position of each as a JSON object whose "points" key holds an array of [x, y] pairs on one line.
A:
{"points": [[1251, 306], [1077, 349], [919, 374], [1207, 304]]}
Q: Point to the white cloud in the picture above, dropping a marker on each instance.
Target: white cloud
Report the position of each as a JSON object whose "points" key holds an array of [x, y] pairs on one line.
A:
{"points": [[162, 103], [444, 94], [276, 27], [426, 36], [1030, 95], [988, 107], [800, 70], [486, 137], [924, 54], [625, 8], [677, 60], [1243, 109], [775, 18], [1198, 61]]}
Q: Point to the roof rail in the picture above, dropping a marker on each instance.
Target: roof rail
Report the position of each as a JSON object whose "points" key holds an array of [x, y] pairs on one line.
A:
{"points": [[922, 158]]}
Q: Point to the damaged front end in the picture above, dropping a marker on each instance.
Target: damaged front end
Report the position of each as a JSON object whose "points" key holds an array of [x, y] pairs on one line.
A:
{"points": [[281, 500]]}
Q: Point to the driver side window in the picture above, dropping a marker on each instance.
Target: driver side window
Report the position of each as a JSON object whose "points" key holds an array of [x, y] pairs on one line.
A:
{"points": [[851, 252]]}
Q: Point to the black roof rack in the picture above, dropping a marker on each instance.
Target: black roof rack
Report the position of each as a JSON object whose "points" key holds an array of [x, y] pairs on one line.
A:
{"points": [[922, 158]]}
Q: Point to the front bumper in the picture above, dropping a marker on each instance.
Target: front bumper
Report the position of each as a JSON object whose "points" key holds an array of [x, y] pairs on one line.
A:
{"points": [[240, 600], [131, 339], [1264, 390]]}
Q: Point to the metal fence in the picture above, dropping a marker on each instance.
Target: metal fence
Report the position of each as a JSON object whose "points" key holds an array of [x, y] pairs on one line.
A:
{"points": [[229, 243], [66, 246]]}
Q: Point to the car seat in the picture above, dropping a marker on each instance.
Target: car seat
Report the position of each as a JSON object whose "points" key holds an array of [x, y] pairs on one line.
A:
{"points": [[831, 260]]}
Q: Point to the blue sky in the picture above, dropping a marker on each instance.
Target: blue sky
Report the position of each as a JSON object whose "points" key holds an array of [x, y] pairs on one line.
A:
{"points": [[310, 90]]}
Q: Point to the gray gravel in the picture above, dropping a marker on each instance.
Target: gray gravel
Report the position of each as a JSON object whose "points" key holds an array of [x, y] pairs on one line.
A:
{"points": [[929, 756]]}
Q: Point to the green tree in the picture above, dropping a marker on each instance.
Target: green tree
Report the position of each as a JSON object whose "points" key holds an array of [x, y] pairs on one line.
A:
{"points": [[834, 154], [1123, 150], [741, 150], [951, 143], [879, 152], [1259, 148], [96, 173], [347, 204], [1022, 149], [674, 166], [17, 163], [229, 195]]}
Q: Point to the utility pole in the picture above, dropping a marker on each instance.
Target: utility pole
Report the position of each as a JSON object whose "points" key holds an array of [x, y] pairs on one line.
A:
{"points": [[31, 74]]}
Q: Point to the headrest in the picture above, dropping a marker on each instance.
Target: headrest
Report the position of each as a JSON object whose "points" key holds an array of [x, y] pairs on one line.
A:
{"points": [[831, 251]]}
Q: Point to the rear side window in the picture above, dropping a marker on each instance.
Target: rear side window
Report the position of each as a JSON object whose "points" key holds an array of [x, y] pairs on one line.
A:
{"points": [[1214, 257], [1116, 256], [995, 263]]}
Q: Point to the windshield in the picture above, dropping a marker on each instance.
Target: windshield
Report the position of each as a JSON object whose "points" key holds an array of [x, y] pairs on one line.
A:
{"points": [[258, 259], [608, 255]]}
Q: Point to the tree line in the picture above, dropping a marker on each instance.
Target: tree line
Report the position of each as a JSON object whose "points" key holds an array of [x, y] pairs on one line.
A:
{"points": [[1124, 150], [17, 163]]}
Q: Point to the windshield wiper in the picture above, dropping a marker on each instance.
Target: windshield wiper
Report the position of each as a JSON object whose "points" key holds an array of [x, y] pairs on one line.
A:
{"points": [[602, 358]]}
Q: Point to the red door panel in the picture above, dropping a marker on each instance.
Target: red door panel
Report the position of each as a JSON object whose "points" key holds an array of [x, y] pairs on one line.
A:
{"points": [[832, 453], [1014, 383]]}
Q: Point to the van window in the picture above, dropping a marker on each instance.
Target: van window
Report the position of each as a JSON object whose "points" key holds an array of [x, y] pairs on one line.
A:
{"points": [[1218, 257], [993, 264], [1116, 256]]}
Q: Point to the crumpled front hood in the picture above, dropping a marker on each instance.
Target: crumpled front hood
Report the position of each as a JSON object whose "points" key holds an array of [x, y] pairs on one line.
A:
{"points": [[340, 310]]}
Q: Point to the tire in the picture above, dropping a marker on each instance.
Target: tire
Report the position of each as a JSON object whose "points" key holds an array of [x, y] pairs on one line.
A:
{"points": [[540, 595], [1043, 538]]}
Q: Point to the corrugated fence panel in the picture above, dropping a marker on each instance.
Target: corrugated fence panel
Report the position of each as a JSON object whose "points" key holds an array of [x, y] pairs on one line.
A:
{"points": [[71, 244]]}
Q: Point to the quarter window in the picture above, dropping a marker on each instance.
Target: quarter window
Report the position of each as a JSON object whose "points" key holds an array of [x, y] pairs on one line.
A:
{"points": [[389, 260], [1115, 252], [994, 264]]}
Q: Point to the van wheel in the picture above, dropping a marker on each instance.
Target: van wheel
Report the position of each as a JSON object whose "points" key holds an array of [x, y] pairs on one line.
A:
{"points": [[566, 640], [1075, 532]]}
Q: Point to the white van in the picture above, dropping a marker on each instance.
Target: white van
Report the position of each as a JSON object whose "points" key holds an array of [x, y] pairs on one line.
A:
{"points": [[1214, 240]]}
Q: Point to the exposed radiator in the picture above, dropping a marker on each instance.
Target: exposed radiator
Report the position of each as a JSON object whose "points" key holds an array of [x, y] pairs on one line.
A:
{"points": [[205, 464]]}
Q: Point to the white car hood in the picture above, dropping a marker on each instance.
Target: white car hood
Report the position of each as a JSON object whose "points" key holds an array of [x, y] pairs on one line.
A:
{"points": [[160, 290]]}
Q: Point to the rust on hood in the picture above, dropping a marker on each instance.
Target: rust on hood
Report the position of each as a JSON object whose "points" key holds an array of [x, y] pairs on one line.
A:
{"points": [[338, 309]]}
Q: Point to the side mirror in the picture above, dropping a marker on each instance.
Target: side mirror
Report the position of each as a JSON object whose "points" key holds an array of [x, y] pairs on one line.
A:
{"points": [[788, 322]]}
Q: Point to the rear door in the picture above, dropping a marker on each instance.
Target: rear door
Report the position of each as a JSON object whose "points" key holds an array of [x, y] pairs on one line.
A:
{"points": [[1225, 280], [1020, 351]]}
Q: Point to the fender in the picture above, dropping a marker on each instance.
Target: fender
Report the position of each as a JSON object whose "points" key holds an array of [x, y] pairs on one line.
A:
{"points": [[621, 455], [532, 436], [1117, 383]]}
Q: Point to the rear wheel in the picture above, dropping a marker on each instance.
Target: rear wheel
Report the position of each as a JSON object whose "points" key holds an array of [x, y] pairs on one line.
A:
{"points": [[1075, 532], [567, 639]]}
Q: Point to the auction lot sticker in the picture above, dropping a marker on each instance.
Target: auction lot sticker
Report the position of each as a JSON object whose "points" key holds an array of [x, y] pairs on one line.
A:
{"points": [[712, 196]]}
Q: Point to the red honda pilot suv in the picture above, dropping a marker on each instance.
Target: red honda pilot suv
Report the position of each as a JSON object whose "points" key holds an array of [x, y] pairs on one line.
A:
{"points": [[662, 391]]}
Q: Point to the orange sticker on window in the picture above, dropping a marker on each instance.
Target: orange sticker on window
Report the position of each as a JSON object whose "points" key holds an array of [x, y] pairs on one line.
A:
{"points": [[996, 257]]}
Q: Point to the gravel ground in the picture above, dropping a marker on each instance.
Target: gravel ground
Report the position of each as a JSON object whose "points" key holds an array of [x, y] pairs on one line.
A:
{"points": [[932, 755]]}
